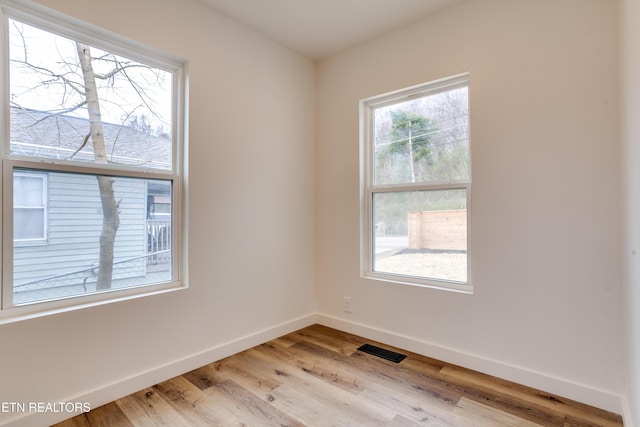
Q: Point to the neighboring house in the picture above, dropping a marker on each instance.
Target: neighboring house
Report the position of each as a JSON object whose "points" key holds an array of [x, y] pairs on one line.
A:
{"points": [[61, 136], [58, 216]]}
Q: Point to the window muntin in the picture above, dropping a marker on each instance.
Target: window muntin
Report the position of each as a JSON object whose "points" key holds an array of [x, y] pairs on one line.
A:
{"points": [[49, 131], [417, 184]]}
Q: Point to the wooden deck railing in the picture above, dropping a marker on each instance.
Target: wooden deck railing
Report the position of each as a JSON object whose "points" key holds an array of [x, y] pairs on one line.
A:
{"points": [[158, 240]]}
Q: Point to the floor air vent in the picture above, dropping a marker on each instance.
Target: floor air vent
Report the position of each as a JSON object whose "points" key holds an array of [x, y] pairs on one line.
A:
{"points": [[381, 352]]}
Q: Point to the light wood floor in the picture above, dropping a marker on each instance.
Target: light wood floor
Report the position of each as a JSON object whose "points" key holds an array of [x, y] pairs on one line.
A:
{"points": [[316, 377]]}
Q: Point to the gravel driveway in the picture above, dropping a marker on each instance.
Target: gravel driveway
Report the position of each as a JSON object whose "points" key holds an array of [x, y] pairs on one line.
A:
{"points": [[437, 265]]}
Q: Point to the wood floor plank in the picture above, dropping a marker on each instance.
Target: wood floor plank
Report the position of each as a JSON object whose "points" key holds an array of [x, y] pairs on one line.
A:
{"points": [[325, 369], [335, 399], [509, 404], [329, 339], [232, 368], [396, 396], [206, 376], [434, 385], [555, 404], [423, 362], [316, 377], [286, 340], [260, 409], [309, 412], [103, 416], [479, 415], [146, 408], [372, 367], [579, 422], [400, 421], [198, 407], [411, 405]]}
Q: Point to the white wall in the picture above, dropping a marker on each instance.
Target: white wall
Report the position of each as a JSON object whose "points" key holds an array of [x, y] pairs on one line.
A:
{"points": [[630, 97], [251, 220], [545, 201]]}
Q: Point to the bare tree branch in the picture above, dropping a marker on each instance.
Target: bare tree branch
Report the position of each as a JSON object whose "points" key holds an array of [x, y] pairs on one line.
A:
{"points": [[84, 142]]}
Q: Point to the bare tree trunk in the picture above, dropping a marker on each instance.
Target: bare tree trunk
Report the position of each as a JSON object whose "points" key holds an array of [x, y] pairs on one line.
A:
{"points": [[110, 214]]}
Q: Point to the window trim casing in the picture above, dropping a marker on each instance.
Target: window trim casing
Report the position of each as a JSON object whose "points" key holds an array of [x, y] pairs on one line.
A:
{"points": [[368, 189], [64, 25]]}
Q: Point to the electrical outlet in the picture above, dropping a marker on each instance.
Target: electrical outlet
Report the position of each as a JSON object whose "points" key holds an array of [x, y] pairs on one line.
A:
{"points": [[347, 305]]}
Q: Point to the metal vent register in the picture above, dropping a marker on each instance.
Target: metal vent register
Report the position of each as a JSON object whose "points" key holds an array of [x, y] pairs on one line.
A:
{"points": [[383, 353]]}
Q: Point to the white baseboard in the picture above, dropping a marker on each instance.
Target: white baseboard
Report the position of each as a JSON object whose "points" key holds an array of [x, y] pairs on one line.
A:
{"points": [[125, 386], [627, 416], [562, 387]]}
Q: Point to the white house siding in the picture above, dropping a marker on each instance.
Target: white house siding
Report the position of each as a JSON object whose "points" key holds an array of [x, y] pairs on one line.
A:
{"points": [[74, 218]]}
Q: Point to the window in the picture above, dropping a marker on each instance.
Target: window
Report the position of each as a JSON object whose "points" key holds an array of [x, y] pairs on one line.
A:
{"points": [[29, 207], [92, 165], [416, 185]]}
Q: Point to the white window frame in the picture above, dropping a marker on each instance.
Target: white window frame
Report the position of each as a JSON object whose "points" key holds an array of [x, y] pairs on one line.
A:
{"points": [[43, 207], [368, 188], [57, 23]]}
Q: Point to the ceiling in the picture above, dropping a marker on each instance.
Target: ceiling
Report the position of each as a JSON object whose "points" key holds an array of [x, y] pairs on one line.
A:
{"points": [[320, 28]]}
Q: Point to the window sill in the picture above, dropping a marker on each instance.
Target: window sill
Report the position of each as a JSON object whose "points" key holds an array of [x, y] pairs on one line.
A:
{"points": [[64, 305], [443, 285]]}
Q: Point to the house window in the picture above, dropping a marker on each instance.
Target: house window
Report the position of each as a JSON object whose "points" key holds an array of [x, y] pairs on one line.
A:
{"points": [[92, 165], [29, 207], [416, 185]]}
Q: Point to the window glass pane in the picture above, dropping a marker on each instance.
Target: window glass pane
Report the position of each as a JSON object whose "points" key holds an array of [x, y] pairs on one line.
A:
{"points": [[74, 262], [28, 191], [421, 234], [28, 224], [75, 102], [424, 140]]}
